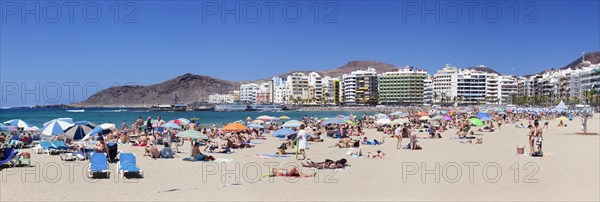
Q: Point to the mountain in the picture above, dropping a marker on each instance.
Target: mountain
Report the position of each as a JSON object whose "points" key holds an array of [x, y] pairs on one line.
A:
{"points": [[590, 58], [484, 69], [189, 88], [379, 67], [593, 58]]}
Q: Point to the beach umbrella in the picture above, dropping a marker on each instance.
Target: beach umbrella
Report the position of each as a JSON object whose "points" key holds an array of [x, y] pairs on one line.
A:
{"points": [[476, 121], [55, 128], [18, 123], [423, 113], [258, 121], [381, 116], [184, 121], [438, 117], [383, 121], [68, 120], [351, 122], [101, 129], [424, 118], [444, 112], [234, 127], [283, 132], [482, 114], [334, 121], [501, 112], [508, 110], [323, 119], [11, 129], [32, 129], [485, 118], [79, 130], [171, 125], [191, 134], [563, 118], [448, 118], [253, 125], [284, 117], [398, 113], [399, 121], [292, 124], [265, 118]]}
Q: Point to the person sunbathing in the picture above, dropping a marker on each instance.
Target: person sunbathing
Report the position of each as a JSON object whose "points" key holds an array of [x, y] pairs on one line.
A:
{"points": [[366, 141], [327, 164], [152, 151], [197, 155], [376, 155], [289, 172], [213, 147]]}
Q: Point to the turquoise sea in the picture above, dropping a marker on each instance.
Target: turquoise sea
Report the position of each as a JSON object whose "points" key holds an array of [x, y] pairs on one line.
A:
{"points": [[38, 116]]}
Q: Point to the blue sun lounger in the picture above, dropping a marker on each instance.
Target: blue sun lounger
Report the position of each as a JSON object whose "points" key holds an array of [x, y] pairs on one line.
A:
{"points": [[9, 156], [98, 164], [128, 164], [47, 147]]}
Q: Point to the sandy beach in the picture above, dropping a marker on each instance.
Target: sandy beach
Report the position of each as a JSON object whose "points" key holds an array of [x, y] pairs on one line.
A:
{"points": [[491, 171]]}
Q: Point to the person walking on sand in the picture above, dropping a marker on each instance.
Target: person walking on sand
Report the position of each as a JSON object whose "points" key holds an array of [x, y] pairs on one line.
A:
{"points": [[539, 138], [531, 138], [302, 139], [398, 133]]}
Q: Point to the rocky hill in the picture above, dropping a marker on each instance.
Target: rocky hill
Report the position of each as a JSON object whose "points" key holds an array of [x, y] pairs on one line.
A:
{"points": [[590, 58], [188, 87]]}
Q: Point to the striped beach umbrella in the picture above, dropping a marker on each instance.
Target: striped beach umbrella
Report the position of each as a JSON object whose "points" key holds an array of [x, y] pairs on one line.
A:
{"points": [[171, 125], [18, 123], [255, 125], [55, 128], [192, 134], [184, 121], [68, 120], [79, 130], [101, 129]]}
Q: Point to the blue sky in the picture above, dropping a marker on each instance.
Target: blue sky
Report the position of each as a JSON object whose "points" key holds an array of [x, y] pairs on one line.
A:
{"points": [[165, 39]]}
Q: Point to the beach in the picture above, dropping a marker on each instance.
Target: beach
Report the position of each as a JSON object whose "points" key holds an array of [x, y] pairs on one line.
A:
{"points": [[445, 170]]}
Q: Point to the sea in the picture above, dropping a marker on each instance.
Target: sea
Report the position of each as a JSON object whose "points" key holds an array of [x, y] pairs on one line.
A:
{"points": [[38, 116]]}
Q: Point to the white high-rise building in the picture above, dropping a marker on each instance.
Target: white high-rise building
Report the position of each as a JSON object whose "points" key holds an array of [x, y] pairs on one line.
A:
{"points": [[280, 90], [316, 84], [297, 85], [445, 84], [428, 90], [360, 87], [248, 92]]}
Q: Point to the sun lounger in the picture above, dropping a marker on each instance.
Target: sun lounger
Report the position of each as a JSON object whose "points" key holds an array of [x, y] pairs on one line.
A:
{"points": [[9, 157], [98, 164], [60, 145], [45, 146], [127, 164], [73, 155]]}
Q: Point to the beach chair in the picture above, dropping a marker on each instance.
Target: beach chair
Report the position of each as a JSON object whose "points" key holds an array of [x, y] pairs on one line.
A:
{"points": [[127, 164], [9, 156], [45, 146], [98, 164], [60, 145]]}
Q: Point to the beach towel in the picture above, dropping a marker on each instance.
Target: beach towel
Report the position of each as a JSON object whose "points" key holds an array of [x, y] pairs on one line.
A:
{"points": [[270, 156], [223, 160]]}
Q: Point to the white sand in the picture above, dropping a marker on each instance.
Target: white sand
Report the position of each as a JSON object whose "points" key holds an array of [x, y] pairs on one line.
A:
{"points": [[569, 171]]}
